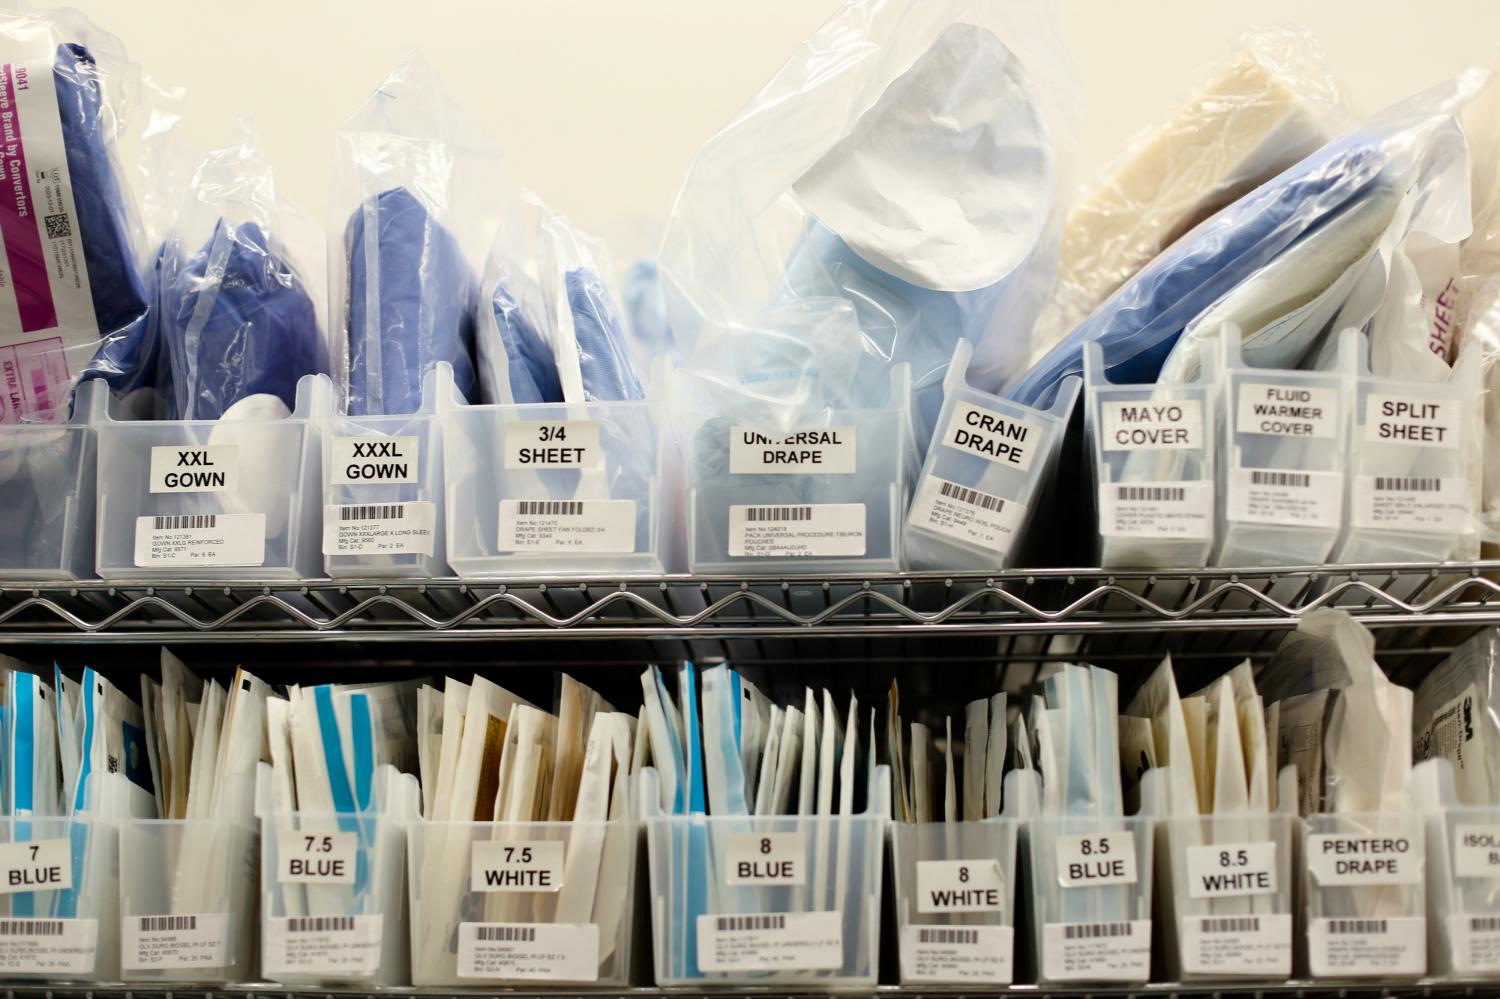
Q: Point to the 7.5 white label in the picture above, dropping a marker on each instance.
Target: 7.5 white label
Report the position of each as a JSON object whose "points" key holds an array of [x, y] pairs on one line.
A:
{"points": [[518, 866]]}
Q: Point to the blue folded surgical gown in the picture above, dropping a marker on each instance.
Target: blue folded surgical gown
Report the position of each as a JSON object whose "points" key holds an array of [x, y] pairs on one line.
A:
{"points": [[411, 304]]}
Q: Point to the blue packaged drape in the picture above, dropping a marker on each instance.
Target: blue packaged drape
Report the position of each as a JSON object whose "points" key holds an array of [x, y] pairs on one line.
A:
{"points": [[604, 361]]}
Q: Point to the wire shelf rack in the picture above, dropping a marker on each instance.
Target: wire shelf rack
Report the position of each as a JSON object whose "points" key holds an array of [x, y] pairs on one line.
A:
{"points": [[1047, 602]]}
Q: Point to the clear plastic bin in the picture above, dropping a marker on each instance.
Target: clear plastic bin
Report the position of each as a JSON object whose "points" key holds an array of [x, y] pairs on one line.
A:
{"points": [[955, 901], [187, 901], [1090, 883], [531, 902], [209, 499], [1463, 877], [65, 933], [826, 497], [559, 489], [1365, 896], [987, 470], [770, 901], [1283, 452], [47, 490], [1228, 896], [383, 510], [333, 893], [1153, 449]]}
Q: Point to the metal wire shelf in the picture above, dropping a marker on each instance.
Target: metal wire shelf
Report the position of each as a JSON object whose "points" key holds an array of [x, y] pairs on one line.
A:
{"points": [[1050, 602]]}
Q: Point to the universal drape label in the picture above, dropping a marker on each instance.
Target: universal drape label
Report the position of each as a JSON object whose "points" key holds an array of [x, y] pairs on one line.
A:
{"points": [[797, 530], [1096, 859], [1364, 860], [328, 858], [211, 469], [1287, 410], [516, 866], [1148, 425], [820, 451], [553, 444], [37, 865], [976, 885], [1230, 870], [1005, 440], [766, 859], [1414, 420], [356, 461]]}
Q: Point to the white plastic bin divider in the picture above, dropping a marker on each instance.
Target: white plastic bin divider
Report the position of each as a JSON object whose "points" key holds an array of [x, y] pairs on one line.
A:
{"points": [[1463, 877], [1365, 895], [332, 889], [988, 467], [770, 901], [212, 499], [187, 900], [1228, 893], [1282, 459], [1090, 909], [521, 902], [69, 932], [47, 478], [581, 490], [1152, 449], [825, 496], [383, 510]]}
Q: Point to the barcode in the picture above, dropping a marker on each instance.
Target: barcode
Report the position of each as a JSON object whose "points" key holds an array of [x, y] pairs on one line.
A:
{"points": [[168, 924], [763, 513], [389, 511], [58, 226], [1389, 484], [187, 522], [320, 924], [1096, 931], [1373, 927], [728, 924], [31, 927], [970, 937], [1231, 924], [1297, 480], [973, 497], [506, 934], [549, 508], [1484, 924], [1154, 494]]}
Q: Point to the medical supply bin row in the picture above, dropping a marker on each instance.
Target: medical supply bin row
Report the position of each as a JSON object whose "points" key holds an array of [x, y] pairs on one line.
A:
{"points": [[385, 899]]}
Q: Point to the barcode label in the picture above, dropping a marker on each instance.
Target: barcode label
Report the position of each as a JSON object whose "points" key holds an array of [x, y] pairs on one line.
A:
{"points": [[1093, 931], [183, 540], [965, 514], [379, 528], [1367, 948], [1237, 945], [792, 531], [320, 924], [168, 924], [973, 497], [947, 936], [1181, 511], [1283, 498], [156, 943], [585, 526], [560, 952], [1346, 926], [1231, 924], [1386, 484], [336, 946], [1151, 494], [1413, 503], [1484, 924], [549, 508], [31, 927], [943, 954], [802, 941], [1103, 951], [1290, 480], [56, 948], [388, 511], [766, 514], [1475, 943]]}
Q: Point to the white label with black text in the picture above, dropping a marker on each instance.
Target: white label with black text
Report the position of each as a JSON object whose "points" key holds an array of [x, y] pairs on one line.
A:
{"points": [[553, 444], [1288, 410], [1412, 503], [976, 885], [789, 941], [55, 947], [766, 859], [211, 469], [379, 528], [149, 943], [1367, 948], [316, 858], [1364, 860], [1476, 852], [323, 945], [599, 526], [957, 954], [1096, 859], [1004, 440], [564, 952], [1286, 498], [1238, 945], [1394, 419], [1152, 426], [966, 514], [36, 865], [823, 451], [797, 531], [1103, 952], [1476, 943], [355, 461], [1166, 510], [521, 865], [200, 539], [1231, 870]]}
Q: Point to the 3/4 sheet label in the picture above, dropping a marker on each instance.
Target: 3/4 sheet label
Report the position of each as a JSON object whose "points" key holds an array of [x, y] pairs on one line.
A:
{"points": [[553, 444]]}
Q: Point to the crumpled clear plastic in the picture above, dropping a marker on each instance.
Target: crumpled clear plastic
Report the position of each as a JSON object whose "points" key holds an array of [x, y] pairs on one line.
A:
{"points": [[908, 163]]}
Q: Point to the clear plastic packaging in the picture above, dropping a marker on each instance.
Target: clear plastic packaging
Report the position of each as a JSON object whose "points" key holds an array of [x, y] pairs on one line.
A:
{"points": [[47, 482], [212, 499], [1463, 868], [990, 465], [67, 933], [726, 925]]}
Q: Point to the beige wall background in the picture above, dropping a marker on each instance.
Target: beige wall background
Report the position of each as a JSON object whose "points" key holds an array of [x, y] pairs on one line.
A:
{"points": [[601, 104]]}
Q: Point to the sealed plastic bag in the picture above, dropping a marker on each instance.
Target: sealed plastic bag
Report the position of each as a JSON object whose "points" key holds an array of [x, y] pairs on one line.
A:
{"points": [[1457, 717], [515, 360], [908, 163], [72, 262], [408, 293]]}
